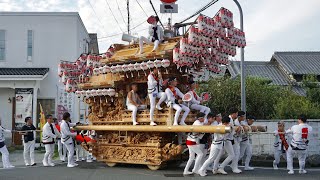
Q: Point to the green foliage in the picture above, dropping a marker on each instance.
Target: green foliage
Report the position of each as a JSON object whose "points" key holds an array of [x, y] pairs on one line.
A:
{"points": [[310, 82], [265, 101]]}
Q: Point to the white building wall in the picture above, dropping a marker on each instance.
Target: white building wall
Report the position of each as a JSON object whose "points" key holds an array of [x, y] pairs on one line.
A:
{"points": [[56, 36], [6, 108]]}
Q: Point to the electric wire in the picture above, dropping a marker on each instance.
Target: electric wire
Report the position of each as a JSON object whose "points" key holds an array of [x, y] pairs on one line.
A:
{"points": [[94, 11], [142, 8], [114, 16], [120, 12]]}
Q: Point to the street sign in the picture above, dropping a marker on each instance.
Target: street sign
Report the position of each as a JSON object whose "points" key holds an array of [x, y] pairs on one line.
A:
{"points": [[168, 8]]}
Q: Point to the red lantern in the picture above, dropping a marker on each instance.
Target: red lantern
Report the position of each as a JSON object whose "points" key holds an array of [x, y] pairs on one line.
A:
{"points": [[168, 1]]}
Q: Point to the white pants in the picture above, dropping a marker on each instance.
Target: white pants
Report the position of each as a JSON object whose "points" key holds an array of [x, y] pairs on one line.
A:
{"points": [[235, 160], [5, 157], [201, 108], [146, 40], [62, 151], [28, 152], [134, 110], [70, 148], [204, 150], [179, 108], [229, 149], [246, 149], [153, 96], [47, 159], [193, 151], [214, 152], [302, 155], [277, 155], [80, 152]]}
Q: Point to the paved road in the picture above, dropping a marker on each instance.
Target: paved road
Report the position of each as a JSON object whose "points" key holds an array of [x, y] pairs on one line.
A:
{"points": [[97, 171]]}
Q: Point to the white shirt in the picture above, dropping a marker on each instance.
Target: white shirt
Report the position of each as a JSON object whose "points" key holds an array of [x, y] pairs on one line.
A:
{"points": [[277, 141], [301, 134], [47, 135], [134, 98], [237, 136], [170, 96], [2, 131], [195, 137], [229, 136], [159, 32], [218, 139], [153, 84], [66, 134]]}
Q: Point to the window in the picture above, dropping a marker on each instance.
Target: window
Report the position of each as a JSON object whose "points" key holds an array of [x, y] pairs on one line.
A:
{"points": [[2, 45], [30, 45]]}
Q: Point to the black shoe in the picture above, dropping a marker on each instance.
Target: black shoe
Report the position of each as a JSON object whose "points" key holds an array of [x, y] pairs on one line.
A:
{"points": [[34, 164]]}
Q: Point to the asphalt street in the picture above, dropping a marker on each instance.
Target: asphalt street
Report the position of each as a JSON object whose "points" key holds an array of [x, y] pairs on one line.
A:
{"points": [[97, 171]]}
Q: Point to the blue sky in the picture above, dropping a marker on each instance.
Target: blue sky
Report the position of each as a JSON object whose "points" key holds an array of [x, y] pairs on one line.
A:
{"points": [[270, 25]]}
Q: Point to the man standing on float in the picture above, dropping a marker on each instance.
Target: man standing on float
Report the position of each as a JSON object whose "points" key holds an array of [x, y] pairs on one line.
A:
{"points": [[154, 88]]}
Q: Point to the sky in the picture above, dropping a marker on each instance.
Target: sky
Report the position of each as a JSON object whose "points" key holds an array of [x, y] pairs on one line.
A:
{"points": [[270, 25]]}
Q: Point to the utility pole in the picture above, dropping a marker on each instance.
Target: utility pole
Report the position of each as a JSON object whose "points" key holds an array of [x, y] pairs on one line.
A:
{"points": [[128, 16], [243, 77]]}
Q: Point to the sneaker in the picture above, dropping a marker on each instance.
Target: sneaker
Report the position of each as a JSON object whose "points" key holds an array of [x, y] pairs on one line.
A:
{"points": [[158, 107], [34, 164], [202, 173], [75, 164], [77, 160], [89, 160], [153, 124], [182, 124], [83, 159], [275, 166], [27, 164], [187, 173], [248, 168], [302, 171], [221, 171], [8, 167], [237, 171], [291, 172]]}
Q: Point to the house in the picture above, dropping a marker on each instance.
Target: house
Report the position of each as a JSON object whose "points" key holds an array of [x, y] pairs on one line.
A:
{"points": [[31, 46], [284, 69]]}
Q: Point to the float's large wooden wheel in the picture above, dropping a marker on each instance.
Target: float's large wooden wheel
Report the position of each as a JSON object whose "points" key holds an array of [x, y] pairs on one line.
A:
{"points": [[154, 167], [111, 164]]}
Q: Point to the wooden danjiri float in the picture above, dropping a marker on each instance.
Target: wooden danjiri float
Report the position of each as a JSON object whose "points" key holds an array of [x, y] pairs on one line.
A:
{"points": [[103, 81]]}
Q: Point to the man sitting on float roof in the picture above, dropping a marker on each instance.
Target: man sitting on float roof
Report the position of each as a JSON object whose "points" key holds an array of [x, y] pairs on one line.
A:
{"points": [[196, 101], [173, 93], [155, 34], [134, 103]]}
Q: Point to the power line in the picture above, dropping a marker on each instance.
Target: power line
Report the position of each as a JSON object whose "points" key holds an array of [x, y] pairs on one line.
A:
{"points": [[142, 8], [120, 12], [113, 15], [94, 11], [112, 35]]}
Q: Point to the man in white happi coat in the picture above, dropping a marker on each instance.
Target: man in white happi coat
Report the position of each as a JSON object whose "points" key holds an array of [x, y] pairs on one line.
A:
{"points": [[193, 143], [216, 147], [3, 148], [173, 93], [156, 35], [280, 144], [299, 144], [61, 148], [246, 143], [196, 101], [237, 137], [154, 92], [49, 134], [228, 146], [67, 138]]}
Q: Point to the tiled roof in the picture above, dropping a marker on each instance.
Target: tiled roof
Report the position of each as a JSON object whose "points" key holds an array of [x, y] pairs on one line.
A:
{"points": [[261, 69], [23, 71], [300, 63]]}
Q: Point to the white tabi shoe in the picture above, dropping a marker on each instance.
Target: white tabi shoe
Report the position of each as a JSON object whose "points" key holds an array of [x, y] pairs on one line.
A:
{"points": [[302, 171], [237, 171], [71, 165], [214, 171], [153, 124], [83, 159], [275, 166], [51, 164], [202, 173], [291, 172], [248, 168], [89, 160], [187, 173], [45, 164], [158, 107], [221, 171]]}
